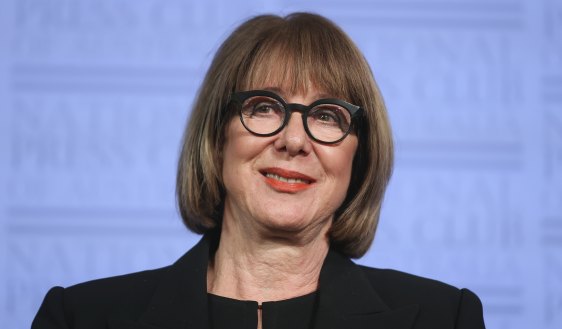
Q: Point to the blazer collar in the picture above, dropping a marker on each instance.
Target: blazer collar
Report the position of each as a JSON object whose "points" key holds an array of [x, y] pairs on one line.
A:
{"points": [[346, 298]]}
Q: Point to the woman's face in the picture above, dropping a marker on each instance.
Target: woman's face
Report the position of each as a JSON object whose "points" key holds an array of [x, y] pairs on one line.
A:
{"points": [[285, 182]]}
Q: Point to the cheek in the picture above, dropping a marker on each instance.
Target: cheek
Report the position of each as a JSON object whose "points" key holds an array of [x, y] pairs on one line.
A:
{"points": [[233, 152], [241, 149], [235, 140], [240, 146], [341, 165], [340, 159]]}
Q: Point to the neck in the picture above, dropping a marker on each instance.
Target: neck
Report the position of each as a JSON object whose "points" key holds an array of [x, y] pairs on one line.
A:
{"points": [[262, 266]]}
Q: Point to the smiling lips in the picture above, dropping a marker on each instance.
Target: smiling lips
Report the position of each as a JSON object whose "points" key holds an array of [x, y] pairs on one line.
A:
{"points": [[286, 181]]}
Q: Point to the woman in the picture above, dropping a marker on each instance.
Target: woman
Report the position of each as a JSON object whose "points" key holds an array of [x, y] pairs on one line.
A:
{"points": [[283, 168]]}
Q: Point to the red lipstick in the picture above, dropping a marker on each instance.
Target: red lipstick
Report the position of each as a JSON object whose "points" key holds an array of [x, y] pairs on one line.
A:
{"points": [[286, 180]]}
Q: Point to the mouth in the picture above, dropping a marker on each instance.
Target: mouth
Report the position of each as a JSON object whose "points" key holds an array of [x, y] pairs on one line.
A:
{"points": [[286, 180]]}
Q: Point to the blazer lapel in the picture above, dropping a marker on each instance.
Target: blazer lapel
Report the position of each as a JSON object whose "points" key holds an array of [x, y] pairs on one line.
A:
{"points": [[180, 301], [348, 300]]}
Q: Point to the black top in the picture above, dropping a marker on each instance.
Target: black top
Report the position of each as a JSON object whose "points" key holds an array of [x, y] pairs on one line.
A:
{"points": [[294, 313]]}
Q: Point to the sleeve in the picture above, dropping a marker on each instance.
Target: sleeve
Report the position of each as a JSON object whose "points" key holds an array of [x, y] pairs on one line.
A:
{"points": [[51, 314], [469, 314]]}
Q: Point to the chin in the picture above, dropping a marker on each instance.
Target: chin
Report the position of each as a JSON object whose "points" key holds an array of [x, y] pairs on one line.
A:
{"points": [[291, 224]]}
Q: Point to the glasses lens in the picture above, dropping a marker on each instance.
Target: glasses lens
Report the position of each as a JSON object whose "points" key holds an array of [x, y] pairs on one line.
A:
{"points": [[328, 122], [262, 114]]}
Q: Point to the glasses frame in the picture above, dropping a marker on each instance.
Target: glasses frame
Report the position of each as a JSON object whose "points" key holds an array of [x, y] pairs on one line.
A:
{"points": [[355, 112]]}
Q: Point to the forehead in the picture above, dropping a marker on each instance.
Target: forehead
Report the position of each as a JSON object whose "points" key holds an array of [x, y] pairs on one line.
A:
{"points": [[312, 93], [290, 74]]}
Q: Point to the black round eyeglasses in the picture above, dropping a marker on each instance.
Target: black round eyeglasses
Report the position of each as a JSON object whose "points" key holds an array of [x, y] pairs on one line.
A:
{"points": [[264, 113]]}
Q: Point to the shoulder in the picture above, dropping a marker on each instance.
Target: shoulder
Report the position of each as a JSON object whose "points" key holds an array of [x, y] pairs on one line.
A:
{"points": [[436, 299], [133, 290], [397, 286], [124, 296], [137, 284]]}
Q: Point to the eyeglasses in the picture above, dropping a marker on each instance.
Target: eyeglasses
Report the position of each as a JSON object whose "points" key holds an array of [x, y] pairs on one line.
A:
{"points": [[264, 113]]}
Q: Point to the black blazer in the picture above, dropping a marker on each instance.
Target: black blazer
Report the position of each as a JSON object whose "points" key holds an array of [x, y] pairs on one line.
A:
{"points": [[174, 297]]}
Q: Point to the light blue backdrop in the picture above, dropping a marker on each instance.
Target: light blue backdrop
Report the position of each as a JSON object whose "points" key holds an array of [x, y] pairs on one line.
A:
{"points": [[94, 95]]}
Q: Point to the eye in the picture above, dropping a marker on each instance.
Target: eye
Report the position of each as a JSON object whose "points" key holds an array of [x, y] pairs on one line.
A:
{"points": [[260, 106], [263, 108], [331, 115], [327, 115]]}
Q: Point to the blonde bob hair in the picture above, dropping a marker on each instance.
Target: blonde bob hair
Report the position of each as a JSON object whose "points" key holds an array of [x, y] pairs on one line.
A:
{"points": [[296, 52]]}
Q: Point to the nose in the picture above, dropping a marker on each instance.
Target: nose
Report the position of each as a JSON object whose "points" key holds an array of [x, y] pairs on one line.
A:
{"points": [[293, 138]]}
